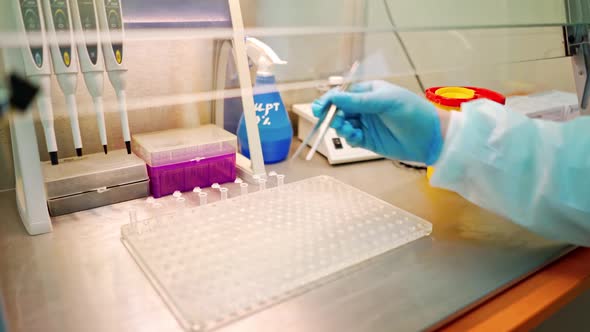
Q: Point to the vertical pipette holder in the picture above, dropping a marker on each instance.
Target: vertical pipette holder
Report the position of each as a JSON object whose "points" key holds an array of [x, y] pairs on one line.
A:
{"points": [[29, 185], [31, 198]]}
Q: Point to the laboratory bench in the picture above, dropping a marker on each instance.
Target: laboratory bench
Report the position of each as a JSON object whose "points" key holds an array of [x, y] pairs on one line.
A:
{"points": [[476, 270]]}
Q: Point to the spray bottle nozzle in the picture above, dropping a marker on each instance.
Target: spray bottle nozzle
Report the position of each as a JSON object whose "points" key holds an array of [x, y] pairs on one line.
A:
{"points": [[263, 56]]}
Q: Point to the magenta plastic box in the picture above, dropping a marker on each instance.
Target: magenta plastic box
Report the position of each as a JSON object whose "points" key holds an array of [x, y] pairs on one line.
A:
{"points": [[182, 159], [164, 180]]}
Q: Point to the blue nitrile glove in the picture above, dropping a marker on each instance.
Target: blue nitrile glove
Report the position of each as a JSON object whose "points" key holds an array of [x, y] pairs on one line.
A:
{"points": [[386, 119]]}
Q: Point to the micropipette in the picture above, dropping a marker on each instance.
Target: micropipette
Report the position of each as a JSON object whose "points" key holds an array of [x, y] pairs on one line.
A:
{"points": [[63, 55], [35, 60], [110, 18], [327, 120], [85, 24]]}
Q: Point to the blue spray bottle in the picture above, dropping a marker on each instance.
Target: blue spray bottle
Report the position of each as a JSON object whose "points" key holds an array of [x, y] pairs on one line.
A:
{"points": [[276, 132]]}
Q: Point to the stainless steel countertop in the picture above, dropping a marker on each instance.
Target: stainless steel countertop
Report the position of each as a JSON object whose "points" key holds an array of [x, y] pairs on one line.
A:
{"points": [[81, 277]]}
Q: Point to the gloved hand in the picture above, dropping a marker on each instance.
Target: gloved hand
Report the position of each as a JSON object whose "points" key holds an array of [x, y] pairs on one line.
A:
{"points": [[386, 119]]}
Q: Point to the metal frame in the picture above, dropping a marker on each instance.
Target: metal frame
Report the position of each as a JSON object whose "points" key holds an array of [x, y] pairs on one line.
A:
{"points": [[581, 66], [577, 45]]}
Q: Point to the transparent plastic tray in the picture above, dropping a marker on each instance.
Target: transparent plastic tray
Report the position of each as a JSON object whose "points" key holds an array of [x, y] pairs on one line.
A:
{"points": [[180, 145], [220, 262]]}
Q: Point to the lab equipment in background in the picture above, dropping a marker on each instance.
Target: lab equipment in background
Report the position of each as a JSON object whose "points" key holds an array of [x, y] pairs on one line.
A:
{"points": [[110, 19], [26, 18], [182, 159], [94, 180], [450, 99], [64, 59], [550, 105], [317, 228], [276, 132], [87, 39], [332, 146]]}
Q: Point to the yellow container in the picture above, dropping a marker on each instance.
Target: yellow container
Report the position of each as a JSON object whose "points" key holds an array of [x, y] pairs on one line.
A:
{"points": [[455, 92], [450, 98]]}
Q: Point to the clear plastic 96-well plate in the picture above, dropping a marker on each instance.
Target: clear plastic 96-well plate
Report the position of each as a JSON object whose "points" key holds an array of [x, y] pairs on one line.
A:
{"points": [[220, 262]]}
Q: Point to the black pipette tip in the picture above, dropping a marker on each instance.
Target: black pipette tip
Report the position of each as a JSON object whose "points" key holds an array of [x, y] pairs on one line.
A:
{"points": [[79, 152], [104, 147], [53, 157], [128, 146]]}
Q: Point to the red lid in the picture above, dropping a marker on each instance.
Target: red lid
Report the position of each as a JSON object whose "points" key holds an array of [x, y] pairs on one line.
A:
{"points": [[479, 93]]}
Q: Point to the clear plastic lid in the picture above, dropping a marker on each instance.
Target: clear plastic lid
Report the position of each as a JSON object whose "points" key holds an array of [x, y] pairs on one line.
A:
{"points": [[181, 145]]}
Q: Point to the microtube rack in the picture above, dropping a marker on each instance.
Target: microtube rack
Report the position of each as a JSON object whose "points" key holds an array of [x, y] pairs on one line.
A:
{"points": [[220, 262]]}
